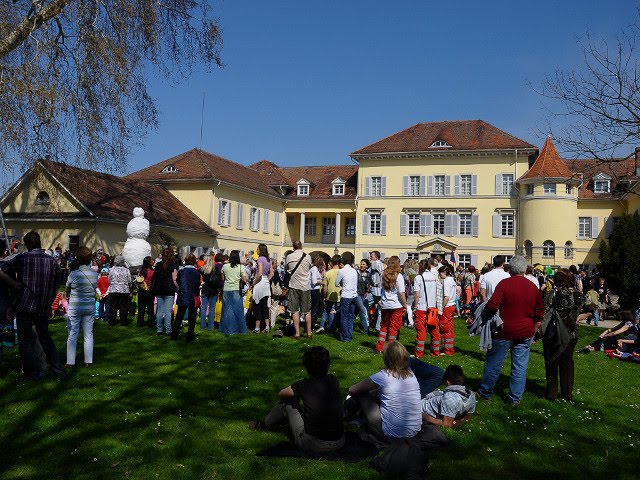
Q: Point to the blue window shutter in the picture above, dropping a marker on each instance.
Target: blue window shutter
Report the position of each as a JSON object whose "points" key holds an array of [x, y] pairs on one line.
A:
{"points": [[383, 186], [448, 222], [405, 185], [422, 185], [455, 225], [447, 185], [456, 185], [383, 224], [365, 224], [474, 260], [367, 187], [498, 184], [428, 224], [474, 184], [430, 186], [403, 257], [403, 223]]}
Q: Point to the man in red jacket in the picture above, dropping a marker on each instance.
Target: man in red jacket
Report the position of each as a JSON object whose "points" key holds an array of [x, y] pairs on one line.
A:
{"points": [[521, 309]]}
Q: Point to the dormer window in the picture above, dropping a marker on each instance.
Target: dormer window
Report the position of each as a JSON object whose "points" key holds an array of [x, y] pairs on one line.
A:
{"points": [[440, 144], [169, 169], [43, 198], [338, 186], [303, 187], [601, 183]]}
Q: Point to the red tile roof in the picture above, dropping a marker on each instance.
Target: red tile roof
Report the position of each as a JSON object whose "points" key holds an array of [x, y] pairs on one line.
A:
{"points": [[113, 198], [620, 170], [548, 164], [197, 164], [321, 178], [460, 135]]}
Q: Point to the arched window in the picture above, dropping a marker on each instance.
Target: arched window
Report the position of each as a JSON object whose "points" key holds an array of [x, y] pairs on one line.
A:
{"points": [[548, 249], [528, 249], [568, 250], [43, 198]]}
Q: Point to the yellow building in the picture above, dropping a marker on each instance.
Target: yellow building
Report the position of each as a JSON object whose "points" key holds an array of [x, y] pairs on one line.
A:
{"points": [[426, 190]]}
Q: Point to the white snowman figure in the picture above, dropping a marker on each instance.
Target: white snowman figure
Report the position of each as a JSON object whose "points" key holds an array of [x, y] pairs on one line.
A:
{"points": [[136, 246]]}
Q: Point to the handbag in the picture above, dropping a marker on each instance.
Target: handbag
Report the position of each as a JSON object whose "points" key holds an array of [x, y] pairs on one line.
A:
{"points": [[276, 290]]}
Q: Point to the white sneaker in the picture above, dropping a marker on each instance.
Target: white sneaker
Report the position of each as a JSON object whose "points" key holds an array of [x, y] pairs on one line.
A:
{"points": [[320, 330]]}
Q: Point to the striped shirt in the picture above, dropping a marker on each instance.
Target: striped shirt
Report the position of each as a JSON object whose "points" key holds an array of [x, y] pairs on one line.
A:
{"points": [[83, 283]]}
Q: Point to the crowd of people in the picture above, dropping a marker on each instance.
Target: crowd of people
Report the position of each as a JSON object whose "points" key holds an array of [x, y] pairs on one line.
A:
{"points": [[508, 305]]}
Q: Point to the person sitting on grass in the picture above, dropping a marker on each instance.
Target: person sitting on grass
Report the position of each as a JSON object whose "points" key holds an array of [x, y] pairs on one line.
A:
{"points": [[608, 340], [390, 399], [452, 406], [316, 425]]}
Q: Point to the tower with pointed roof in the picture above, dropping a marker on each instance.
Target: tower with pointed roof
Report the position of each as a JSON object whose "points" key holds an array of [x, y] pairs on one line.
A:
{"points": [[548, 208]]}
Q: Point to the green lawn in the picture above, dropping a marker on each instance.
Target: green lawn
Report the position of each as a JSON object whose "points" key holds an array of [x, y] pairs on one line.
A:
{"points": [[154, 409]]}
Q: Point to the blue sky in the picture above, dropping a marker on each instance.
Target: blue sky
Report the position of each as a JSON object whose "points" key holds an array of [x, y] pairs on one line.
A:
{"points": [[306, 83]]}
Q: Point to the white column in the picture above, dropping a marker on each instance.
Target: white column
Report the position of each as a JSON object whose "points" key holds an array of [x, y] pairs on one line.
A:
{"points": [[337, 228], [302, 227]]}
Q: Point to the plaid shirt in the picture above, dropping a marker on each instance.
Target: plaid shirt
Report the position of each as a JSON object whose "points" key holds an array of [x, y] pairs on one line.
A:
{"points": [[39, 276]]}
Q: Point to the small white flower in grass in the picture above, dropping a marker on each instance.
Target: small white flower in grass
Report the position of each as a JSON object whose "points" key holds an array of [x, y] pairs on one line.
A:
{"points": [[95, 459]]}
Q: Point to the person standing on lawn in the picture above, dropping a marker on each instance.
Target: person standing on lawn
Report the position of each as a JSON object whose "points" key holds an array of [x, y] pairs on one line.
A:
{"points": [[521, 310], [119, 291], [297, 266], [424, 307], [348, 279], [188, 290], [491, 279], [377, 268], [39, 275], [448, 310], [81, 291], [393, 303]]}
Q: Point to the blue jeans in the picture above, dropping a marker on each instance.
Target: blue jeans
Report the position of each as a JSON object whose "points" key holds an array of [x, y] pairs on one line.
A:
{"points": [[493, 364], [233, 319], [164, 311], [205, 318], [364, 313], [347, 317], [327, 316], [429, 376]]}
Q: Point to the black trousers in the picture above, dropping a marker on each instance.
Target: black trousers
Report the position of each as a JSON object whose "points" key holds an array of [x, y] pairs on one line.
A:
{"points": [[563, 365], [176, 326], [145, 304], [118, 302], [40, 321]]}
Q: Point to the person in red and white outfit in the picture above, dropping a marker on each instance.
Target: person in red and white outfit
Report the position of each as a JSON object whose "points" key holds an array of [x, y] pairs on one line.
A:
{"points": [[393, 303], [446, 315], [424, 304]]}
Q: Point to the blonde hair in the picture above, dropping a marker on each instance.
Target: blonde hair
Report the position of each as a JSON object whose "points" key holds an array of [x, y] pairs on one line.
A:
{"points": [[209, 265], [396, 360], [390, 275]]}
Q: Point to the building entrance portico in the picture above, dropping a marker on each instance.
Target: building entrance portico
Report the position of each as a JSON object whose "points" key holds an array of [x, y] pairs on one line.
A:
{"points": [[436, 247]]}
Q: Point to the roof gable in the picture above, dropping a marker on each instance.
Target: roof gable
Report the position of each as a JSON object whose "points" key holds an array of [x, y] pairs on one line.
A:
{"points": [[448, 135], [548, 164]]}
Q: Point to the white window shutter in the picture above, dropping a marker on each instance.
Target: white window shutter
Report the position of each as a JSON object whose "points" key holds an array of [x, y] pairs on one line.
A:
{"points": [[383, 224], [455, 225], [220, 213], [403, 223], [447, 185], [365, 224], [256, 227], [426, 224], [405, 185], [240, 219], [498, 184], [594, 227], [403, 257], [475, 221], [383, 186], [474, 184], [456, 185], [608, 226], [422, 185], [276, 223], [367, 186], [448, 222], [497, 228], [430, 185], [474, 260], [265, 226]]}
